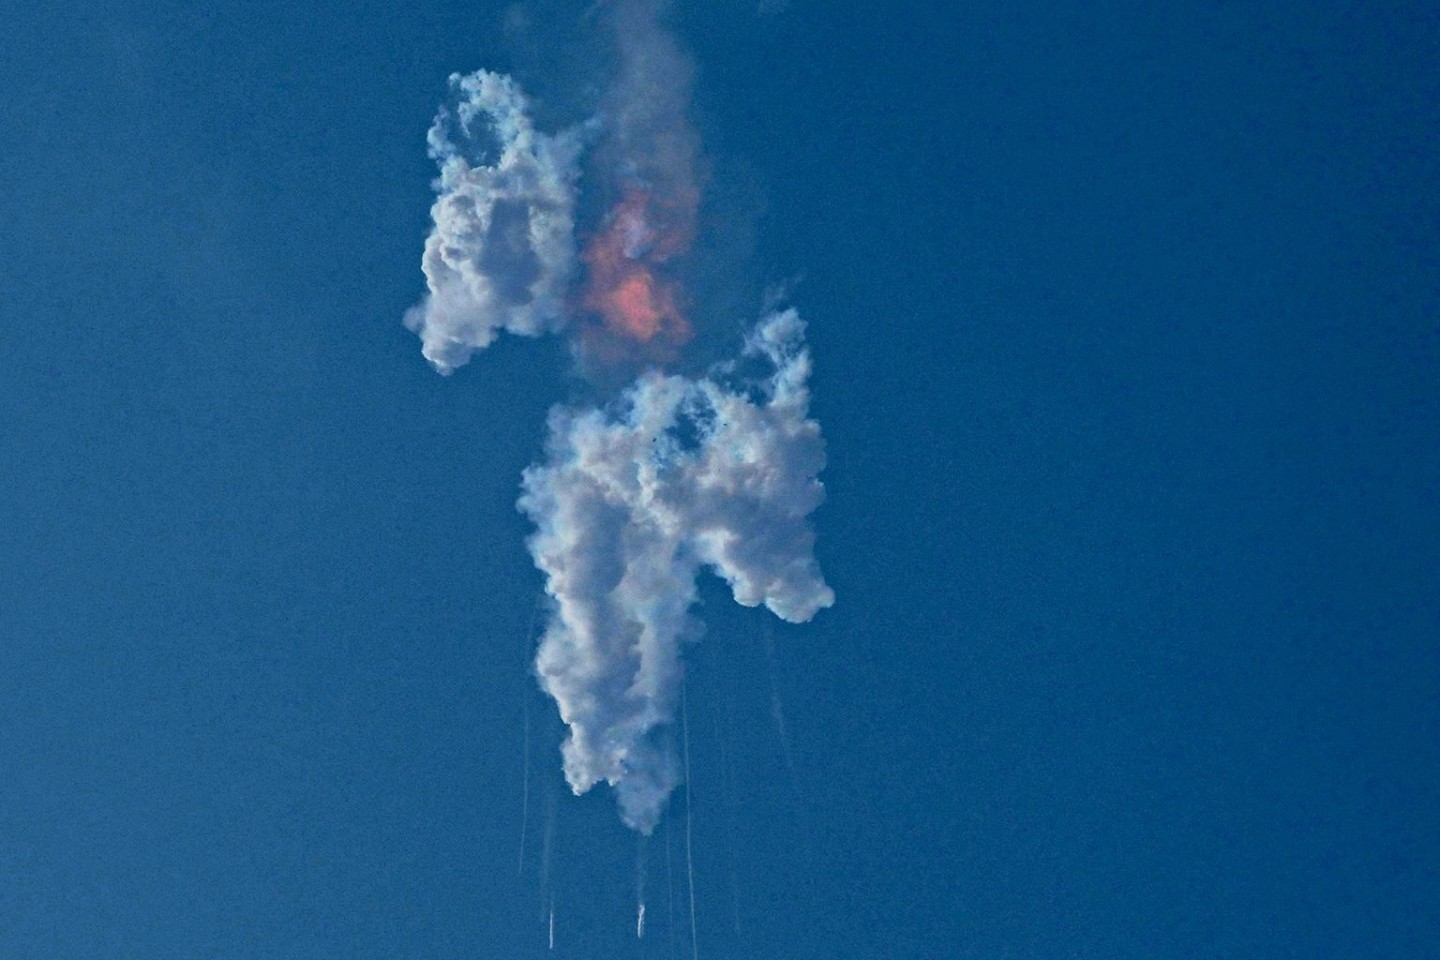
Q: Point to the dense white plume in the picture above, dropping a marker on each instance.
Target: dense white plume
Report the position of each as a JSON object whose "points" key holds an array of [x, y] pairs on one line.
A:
{"points": [[501, 255], [630, 506]]}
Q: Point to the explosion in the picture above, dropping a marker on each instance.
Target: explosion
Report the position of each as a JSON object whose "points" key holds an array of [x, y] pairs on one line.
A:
{"points": [[626, 286], [679, 472]]}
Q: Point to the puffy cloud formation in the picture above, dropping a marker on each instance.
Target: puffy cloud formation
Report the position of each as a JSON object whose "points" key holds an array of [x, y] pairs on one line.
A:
{"points": [[501, 255], [630, 506]]}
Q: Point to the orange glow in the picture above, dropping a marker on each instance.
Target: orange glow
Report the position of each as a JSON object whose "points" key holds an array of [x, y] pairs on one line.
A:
{"points": [[625, 285]]}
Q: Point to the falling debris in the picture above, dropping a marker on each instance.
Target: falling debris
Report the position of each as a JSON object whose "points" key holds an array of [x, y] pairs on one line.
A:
{"points": [[525, 748], [640, 872], [670, 889], [689, 825], [547, 846]]}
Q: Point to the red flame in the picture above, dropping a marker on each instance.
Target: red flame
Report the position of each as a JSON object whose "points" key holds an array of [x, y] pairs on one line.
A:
{"points": [[626, 285]]}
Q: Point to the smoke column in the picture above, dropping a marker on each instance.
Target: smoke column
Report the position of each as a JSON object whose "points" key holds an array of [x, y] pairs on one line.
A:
{"points": [[675, 473]]}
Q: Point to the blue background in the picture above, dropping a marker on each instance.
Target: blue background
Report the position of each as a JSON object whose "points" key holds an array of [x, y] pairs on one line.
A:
{"points": [[1127, 324]]}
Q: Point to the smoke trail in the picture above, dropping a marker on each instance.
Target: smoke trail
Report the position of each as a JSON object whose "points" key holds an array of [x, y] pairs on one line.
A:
{"points": [[782, 729], [670, 889], [689, 824], [727, 786], [525, 725], [525, 783], [546, 850], [640, 870], [678, 473]]}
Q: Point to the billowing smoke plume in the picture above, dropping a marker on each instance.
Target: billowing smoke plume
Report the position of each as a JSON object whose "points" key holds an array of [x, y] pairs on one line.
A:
{"points": [[679, 473], [502, 253], [687, 473]]}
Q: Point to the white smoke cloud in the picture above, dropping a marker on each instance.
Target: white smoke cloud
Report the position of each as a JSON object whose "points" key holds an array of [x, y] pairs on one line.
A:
{"points": [[681, 473], [630, 506], [501, 255]]}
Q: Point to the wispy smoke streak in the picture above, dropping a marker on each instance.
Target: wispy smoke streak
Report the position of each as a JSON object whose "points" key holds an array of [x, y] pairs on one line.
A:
{"points": [[525, 745], [670, 891], [547, 847], [640, 872], [689, 825]]}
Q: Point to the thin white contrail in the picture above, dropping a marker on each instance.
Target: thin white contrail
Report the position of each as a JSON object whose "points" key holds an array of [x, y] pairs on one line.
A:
{"points": [[525, 783], [546, 847], [552, 923], [782, 730], [640, 867], [525, 763], [727, 787], [670, 888], [689, 821]]}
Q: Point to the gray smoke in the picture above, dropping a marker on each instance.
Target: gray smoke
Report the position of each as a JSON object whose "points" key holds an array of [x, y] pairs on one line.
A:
{"points": [[685, 474], [501, 255], [647, 110]]}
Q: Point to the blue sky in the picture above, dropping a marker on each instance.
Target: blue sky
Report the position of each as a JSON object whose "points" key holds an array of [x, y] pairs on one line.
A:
{"points": [[1125, 328]]}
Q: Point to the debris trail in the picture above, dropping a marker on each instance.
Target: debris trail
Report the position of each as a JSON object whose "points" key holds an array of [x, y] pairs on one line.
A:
{"points": [[546, 848], [723, 722], [525, 782], [782, 730], [525, 713], [640, 868], [689, 821], [670, 888]]}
